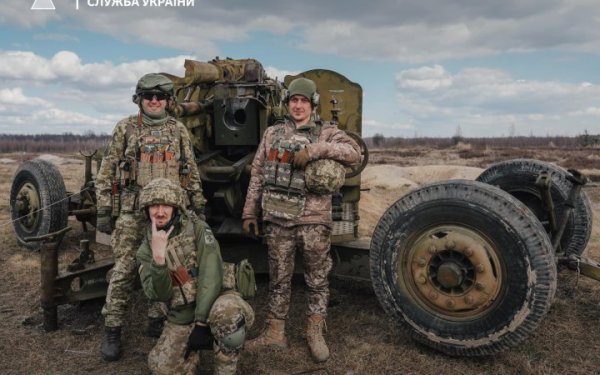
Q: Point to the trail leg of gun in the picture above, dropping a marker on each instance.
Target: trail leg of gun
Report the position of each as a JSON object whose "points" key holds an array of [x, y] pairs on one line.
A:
{"points": [[49, 271]]}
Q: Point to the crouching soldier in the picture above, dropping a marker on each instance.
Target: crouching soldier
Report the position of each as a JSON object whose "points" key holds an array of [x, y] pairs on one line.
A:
{"points": [[181, 265]]}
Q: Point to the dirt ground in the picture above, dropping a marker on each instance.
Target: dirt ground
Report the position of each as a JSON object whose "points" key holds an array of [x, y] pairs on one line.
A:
{"points": [[361, 338]]}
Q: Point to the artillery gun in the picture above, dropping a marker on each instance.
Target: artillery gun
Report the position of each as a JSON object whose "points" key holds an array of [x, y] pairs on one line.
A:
{"points": [[469, 267]]}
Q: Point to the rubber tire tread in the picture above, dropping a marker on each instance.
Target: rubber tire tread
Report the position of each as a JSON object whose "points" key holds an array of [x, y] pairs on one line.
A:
{"points": [[579, 228], [51, 188], [469, 196]]}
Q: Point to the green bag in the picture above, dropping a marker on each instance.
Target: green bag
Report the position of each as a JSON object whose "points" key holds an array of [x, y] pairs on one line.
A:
{"points": [[245, 280]]}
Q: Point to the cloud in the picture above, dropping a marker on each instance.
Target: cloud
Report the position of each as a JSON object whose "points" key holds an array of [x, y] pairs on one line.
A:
{"points": [[66, 67], [280, 74], [404, 30], [56, 121], [70, 95], [486, 101], [15, 97]]}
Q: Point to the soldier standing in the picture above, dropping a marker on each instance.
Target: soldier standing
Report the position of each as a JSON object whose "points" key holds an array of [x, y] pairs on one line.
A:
{"points": [[295, 217], [145, 146], [181, 265]]}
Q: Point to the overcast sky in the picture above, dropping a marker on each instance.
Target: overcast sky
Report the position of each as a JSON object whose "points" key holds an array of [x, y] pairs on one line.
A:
{"points": [[426, 67]]}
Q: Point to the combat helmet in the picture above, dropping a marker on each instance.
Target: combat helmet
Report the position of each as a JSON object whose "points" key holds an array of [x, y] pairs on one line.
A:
{"points": [[163, 191], [305, 87], [154, 82], [324, 176]]}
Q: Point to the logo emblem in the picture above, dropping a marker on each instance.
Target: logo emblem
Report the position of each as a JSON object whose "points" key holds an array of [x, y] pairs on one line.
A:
{"points": [[43, 5]]}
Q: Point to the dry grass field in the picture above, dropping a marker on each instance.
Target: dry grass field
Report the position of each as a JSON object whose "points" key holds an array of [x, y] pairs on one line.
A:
{"points": [[362, 339]]}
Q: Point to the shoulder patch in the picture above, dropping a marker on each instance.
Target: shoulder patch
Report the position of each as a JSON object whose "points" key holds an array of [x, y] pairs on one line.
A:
{"points": [[209, 237]]}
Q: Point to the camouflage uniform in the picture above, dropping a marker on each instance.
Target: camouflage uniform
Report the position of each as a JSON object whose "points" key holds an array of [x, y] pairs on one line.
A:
{"points": [[310, 230], [127, 139], [143, 147], [199, 295]]}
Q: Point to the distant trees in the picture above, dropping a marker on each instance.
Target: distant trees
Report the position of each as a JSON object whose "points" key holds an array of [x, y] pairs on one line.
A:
{"points": [[589, 140], [378, 140], [53, 143]]}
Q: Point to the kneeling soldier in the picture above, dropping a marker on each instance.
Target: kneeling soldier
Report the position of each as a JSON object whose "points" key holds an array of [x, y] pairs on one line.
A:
{"points": [[181, 265]]}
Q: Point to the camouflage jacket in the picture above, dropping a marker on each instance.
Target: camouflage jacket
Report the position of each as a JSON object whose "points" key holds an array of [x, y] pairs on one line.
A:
{"points": [[157, 280], [121, 149], [332, 143]]}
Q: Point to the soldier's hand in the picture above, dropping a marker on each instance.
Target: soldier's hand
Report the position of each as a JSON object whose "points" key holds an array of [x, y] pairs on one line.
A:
{"points": [[104, 219], [250, 226], [200, 339], [160, 238], [301, 158]]}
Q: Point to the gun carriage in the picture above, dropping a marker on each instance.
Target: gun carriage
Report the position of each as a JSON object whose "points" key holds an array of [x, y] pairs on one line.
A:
{"points": [[469, 267]]}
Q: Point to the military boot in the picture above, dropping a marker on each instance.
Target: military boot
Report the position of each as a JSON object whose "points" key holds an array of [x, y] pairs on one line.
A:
{"points": [[226, 364], [314, 336], [273, 334], [155, 327], [111, 344]]}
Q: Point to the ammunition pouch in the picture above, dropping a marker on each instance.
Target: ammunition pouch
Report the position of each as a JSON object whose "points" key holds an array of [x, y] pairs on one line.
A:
{"points": [[149, 170], [129, 201], [240, 277], [245, 280], [284, 204]]}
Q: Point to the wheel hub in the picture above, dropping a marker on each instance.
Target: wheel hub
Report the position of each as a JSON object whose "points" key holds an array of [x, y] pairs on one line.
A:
{"points": [[27, 205], [450, 275], [452, 271]]}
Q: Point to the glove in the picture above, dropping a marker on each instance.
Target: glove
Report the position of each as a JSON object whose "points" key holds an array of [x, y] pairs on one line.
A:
{"points": [[104, 219], [199, 339], [250, 226], [301, 158]]}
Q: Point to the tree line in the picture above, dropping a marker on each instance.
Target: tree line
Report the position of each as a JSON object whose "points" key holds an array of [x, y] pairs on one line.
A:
{"points": [[584, 140], [53, 143]]}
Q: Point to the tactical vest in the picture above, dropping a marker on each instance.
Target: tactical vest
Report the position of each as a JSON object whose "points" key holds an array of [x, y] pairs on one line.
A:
{"points": [[151, 152], [181, 261], [284, 193]]}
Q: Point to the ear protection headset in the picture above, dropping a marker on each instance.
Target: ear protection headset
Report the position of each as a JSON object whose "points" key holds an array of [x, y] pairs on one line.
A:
{"points": [[303, 83]]}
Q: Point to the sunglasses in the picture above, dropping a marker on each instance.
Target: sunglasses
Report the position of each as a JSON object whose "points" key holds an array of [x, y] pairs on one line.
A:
{"points": [[158, 95]]}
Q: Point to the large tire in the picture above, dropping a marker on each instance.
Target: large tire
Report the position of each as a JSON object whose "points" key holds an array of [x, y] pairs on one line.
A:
{"points": [[37, 201], [465, 265], [518, 177]]}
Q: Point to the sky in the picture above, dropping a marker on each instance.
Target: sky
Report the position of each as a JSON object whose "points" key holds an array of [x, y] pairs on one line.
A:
{"points": [[428, 68]]}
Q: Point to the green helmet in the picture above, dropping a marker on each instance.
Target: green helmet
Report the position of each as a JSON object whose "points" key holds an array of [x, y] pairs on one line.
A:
{"points": [[154, 82], [163, 191], [305, 87], [324, 176]]}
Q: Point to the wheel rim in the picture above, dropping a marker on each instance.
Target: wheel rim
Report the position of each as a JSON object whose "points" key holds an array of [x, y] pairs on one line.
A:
{"points": [[453, 272], [27, 205]]}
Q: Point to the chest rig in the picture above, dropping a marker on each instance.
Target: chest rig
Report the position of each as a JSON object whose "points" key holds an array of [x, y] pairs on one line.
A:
{"points": [[284, 194], [153, 152], [182, 264]]}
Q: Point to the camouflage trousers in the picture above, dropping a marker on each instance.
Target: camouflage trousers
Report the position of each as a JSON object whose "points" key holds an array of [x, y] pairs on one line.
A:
{"points": [[125, 241], [314, 242], [167, 356]]}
